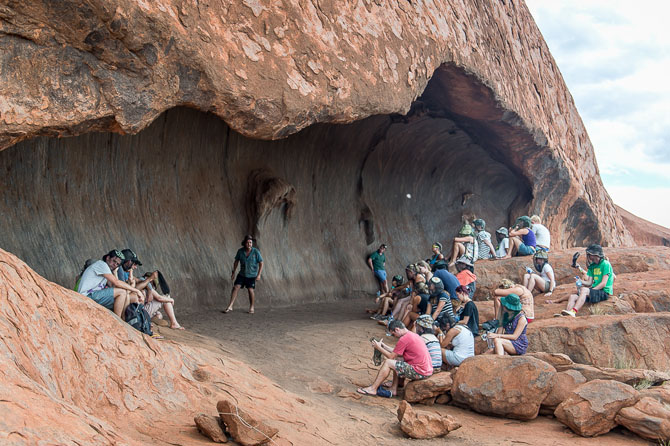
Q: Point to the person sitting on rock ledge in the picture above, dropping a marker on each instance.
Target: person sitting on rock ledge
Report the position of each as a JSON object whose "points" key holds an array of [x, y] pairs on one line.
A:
{"points": [[409, 359], [466, 275], [386, 301], [511, 338], [545, 282], [98, 283], [521, 239], [462, 343], [425, 328], [542, 234], [503, 243], [597, 282], [437, 260], [464, 245], [485, 247], [508, 287]]}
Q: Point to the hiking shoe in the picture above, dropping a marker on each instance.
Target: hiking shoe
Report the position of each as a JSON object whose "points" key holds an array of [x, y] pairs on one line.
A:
{"points": [[569, 313]]}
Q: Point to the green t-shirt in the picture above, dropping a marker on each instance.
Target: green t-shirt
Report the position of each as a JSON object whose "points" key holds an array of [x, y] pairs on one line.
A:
{"points": [[378, 261], [597, 271]]}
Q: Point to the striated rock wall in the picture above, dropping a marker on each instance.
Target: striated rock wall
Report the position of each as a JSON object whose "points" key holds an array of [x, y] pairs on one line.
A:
{"points": [[458, 104]]}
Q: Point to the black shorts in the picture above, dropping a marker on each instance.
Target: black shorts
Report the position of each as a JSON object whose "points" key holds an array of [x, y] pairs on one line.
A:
{"points": [[245, 282], [596, 296]]}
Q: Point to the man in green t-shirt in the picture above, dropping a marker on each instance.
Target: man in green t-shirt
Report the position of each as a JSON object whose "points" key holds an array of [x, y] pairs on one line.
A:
{"points": [[377, 263], [597, 282]]}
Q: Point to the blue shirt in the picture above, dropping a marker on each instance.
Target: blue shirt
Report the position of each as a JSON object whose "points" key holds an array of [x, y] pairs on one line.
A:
{"points": [[122, 275], [249, 263], [449, 280]]}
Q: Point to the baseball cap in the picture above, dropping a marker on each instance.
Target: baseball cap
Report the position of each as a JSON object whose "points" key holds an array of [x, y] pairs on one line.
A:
{"points": [[129, 254]]}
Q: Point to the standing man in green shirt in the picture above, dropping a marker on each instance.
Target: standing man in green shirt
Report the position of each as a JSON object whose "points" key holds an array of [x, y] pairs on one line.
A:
{"points": [[251, 266], [377, 263], [597, 282]]}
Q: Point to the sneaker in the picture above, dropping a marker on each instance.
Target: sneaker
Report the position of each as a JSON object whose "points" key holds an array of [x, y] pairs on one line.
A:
{"points": [[558, 315], [569, 313]]}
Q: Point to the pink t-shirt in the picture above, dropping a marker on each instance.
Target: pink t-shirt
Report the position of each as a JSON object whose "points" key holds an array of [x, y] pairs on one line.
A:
{"points": [[415, 353]]}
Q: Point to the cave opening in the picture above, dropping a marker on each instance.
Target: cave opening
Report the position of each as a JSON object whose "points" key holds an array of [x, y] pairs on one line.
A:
{"points": [[183, 191]]}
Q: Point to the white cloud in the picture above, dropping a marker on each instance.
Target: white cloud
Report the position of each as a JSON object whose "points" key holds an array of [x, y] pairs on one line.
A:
{"points": [[615, 58]]}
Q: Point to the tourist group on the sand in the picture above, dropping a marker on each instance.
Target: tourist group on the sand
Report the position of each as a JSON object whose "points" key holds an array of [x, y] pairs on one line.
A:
{"points": [[112, 283], [432, 314]]}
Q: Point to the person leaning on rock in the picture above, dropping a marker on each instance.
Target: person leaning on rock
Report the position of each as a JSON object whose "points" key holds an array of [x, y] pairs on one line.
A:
{"points": [[251, 267], [597, 281], [377, 263], [98, 283], [409, 359]]}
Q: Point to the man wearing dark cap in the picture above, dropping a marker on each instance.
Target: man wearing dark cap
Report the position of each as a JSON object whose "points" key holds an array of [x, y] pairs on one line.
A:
{"points": [[98, 283], [126, 272]]}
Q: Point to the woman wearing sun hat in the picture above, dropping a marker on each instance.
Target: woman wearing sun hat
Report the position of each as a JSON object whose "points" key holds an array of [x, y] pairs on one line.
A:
{"points": [[513, 340]]}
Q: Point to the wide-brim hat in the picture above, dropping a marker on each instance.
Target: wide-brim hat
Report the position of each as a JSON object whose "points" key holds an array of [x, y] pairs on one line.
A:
{"points": [[511, 302], [425, 321], [502, 230]]}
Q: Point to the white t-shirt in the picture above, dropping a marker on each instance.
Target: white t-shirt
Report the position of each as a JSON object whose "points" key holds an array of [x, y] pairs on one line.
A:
{"points": [[92, 279], [546, 269], [502, 248], [463, 342], [542, 236]]}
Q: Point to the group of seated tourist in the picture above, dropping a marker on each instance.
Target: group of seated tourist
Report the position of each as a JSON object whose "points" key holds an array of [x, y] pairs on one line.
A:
{"points": [[433, 315], [112, 283]]}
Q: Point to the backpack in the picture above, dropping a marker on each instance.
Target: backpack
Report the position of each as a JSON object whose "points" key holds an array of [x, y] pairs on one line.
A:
{"points": [[138, 318]]}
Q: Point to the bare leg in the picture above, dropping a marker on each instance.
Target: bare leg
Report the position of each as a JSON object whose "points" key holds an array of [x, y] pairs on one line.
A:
{"points": [[169, 310], [120, 301], [233, 296], [526, 280], [514, 243], [384, 371], [396, 382], [572, 301], [538, 283], [385, 287], [583, 293], [503, 346], [457, 251], [252, 298], [496, 307]]}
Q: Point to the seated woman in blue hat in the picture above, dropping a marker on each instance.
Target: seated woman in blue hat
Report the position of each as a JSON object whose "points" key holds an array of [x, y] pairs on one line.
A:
{"points": [[511, 338]]}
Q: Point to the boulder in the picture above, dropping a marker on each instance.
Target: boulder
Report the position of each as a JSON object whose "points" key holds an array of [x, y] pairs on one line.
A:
{"points": [[558, 360], [433, 386], [424, 425], [210, 427], [620, 341], [245, 429], [591, 408], [507, 386], [626, 376], [649, 418], [563, 385]]}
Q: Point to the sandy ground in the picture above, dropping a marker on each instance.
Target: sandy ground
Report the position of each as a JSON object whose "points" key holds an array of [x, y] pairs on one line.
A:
{"points": [[321, 353]]}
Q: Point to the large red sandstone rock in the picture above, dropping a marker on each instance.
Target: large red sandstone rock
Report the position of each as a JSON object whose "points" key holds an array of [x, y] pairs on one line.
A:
{"points": [[507, 386], [591, 408], [424, 425], [625, 341], [73, 373], [435, 385], [649, 418], [563, 385], [117, 65], [244, 427]]}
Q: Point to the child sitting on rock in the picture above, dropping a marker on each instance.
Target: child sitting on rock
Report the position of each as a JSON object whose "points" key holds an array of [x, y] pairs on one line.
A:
{"points": [[466, 274], [511, 337], [596, 283]]}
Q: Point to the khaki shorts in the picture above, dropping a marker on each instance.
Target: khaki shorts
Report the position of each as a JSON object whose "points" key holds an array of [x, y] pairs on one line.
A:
{"points": [[153, 307]]}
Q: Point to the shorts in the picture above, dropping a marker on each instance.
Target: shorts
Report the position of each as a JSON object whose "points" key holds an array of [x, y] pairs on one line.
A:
{"points": [[407, 371], [153, 307], [452, 358], [104, 297], [525, 250], [547, 285], [245, 282], [596, 296], [380, 275]]}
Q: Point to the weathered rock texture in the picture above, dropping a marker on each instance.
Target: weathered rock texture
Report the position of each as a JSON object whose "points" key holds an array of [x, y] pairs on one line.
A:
{"points": [[459, 105], [422, 425], [507, 386], [72, 373], [591, 408]]}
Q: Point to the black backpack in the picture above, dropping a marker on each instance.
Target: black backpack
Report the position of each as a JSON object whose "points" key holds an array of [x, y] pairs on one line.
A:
{"points": [[138, 318]]}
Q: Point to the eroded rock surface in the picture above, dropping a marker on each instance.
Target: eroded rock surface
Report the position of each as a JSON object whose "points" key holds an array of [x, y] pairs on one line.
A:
{"points": [[420, 424], [433, 386], [417, 84], [507, 386]]}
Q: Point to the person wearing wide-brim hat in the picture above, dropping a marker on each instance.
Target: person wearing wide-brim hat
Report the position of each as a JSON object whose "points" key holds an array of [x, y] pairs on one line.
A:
{"points": [[425, 327], [513, 339], [502, 236]]}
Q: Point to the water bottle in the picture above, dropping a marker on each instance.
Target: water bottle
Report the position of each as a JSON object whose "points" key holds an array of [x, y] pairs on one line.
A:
{"points": [[578, 282], [529, 270]]}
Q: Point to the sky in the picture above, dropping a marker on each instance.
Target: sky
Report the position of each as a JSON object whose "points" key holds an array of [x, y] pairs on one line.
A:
{"points": [[615, 58]]}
